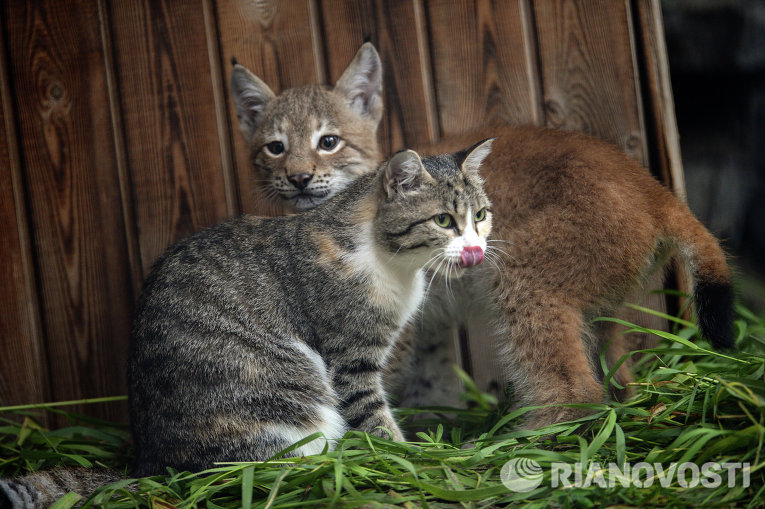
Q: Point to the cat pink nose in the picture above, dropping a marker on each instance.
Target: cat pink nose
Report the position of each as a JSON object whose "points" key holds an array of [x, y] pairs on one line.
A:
{"points": [[471, 255]]}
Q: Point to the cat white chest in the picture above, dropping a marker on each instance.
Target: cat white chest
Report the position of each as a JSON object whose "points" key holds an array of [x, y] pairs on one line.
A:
{"points": [[395, 288]]}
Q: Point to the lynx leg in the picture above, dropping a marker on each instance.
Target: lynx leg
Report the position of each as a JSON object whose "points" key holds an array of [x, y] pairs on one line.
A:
{"points": [[547, 359]]}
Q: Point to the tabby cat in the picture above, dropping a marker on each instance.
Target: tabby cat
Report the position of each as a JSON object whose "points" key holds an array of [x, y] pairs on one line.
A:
{"points": [[579, 225], [258, 332]]}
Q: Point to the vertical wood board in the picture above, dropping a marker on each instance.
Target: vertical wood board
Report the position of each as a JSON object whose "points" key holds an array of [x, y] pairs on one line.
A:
{"points": [[23, 360], [589, 82], [169, 118], [484, 64], [56, 61], [663, 137]]}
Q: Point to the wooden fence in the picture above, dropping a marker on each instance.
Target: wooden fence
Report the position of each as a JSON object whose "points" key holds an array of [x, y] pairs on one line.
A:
{"points": [[118, 135]]}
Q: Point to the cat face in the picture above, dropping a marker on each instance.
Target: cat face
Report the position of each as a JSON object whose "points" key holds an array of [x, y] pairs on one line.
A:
{"points": [[441, 202], [308, 143]]}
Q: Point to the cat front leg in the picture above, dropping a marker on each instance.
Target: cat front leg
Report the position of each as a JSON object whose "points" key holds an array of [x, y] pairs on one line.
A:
{"points": [[362, 400]]}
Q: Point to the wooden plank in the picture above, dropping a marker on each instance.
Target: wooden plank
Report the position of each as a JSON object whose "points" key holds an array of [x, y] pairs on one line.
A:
{"points": [[664, 140], [484, 63], [23, 361], [278, 42], [57, 66], [589, 81], [169, 118], [399, 32], [120, 151]]}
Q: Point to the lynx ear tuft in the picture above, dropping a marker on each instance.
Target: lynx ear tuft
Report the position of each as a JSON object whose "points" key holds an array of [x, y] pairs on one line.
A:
{"points": [[361, 83], [251, 96], [404, 173], [470, 159]]}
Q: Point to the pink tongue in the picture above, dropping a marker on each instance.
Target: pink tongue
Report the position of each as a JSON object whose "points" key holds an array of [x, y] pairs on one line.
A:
{"points": [[472, 255]]}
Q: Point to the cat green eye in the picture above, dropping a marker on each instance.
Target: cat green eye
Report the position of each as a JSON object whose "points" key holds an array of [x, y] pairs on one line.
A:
{"points": [[479, 216], [443, 220], [275, 147], [328, 142]]}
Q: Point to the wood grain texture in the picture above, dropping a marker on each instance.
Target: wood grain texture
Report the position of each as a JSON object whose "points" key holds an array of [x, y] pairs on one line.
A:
{"points": [[275, 40], [663, 137], [69, 174], [398, 31], [589, 81], [120, 151], [23, 360], [169, 119], [484, 65]]}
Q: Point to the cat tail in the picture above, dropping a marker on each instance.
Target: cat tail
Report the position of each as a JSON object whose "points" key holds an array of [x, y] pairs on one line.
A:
{"points": [[41, 489], [712, 287]]}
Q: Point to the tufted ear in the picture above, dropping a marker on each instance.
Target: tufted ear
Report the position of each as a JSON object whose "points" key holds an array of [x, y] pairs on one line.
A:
{"points": [[251, 96], [470, 159], [361, 83], [404, 173]]}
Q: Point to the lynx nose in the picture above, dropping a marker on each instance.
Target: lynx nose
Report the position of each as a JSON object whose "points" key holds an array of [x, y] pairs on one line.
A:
{"points": [[300, 180], [471, 255]]}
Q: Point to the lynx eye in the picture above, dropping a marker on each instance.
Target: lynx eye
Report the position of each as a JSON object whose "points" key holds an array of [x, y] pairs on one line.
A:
{"points": [[443, 220], [480, 215], [275, 147], [328, 142]]}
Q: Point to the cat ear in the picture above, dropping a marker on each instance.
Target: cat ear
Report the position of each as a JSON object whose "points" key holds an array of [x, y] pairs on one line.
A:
{"points": [[250, 96], [404, 173], [470, 159], [361, 83]]}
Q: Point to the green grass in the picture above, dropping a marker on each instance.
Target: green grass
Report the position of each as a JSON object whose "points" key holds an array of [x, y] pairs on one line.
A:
{"points": [[691, 405]]}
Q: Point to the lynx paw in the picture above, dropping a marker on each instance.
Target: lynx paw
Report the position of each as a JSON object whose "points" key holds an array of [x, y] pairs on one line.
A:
{"points": [[553, 415]]}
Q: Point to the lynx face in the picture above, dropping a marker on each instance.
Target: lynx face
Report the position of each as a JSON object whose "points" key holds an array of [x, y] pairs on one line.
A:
{"points": [[308, 143]]}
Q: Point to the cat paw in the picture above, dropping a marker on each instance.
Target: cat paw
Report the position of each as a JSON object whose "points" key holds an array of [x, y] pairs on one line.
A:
{"points": [[391, 432]]}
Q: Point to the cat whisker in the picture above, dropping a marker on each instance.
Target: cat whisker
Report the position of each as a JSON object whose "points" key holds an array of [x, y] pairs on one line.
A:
{"points": [[492, 259], [491, 252], [442, 259], [439, 252], [394, 254], [495, 248]]}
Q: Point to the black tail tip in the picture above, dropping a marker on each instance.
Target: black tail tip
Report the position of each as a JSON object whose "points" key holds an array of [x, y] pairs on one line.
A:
{"points": [[714, 306], [234, 61]]}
